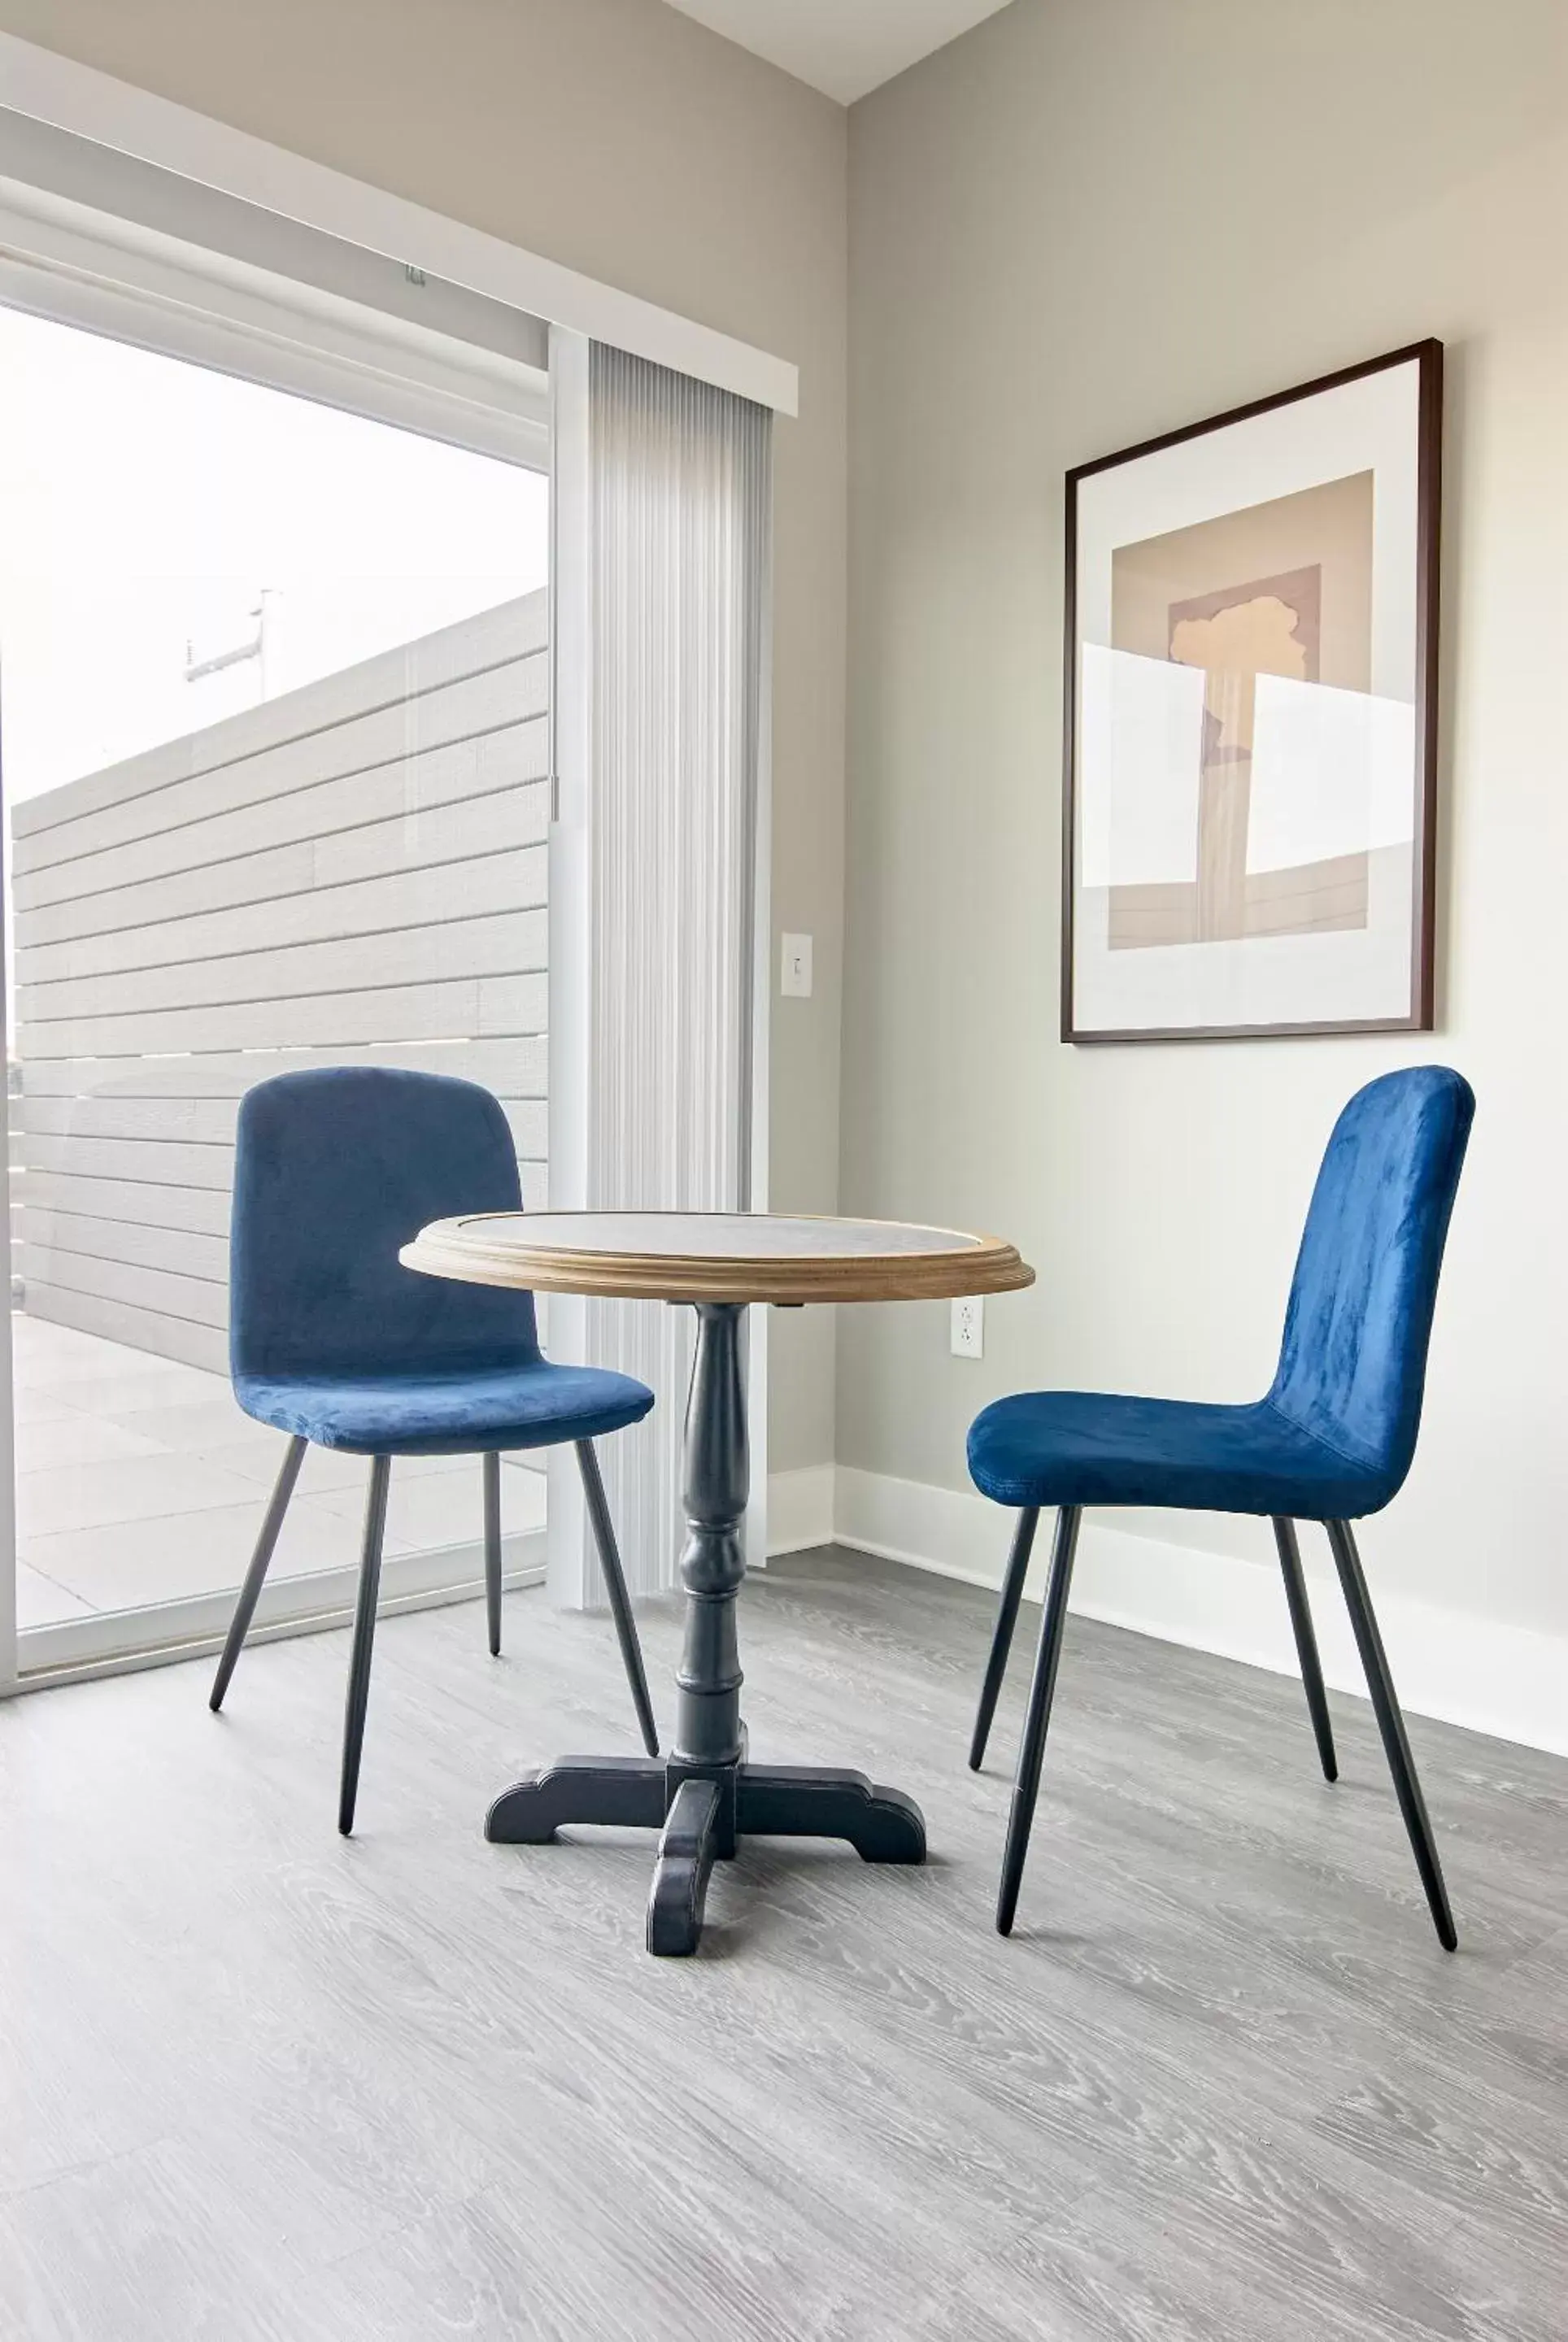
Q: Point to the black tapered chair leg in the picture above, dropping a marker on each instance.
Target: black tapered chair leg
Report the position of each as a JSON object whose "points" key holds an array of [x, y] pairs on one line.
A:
{"points": [[1391, 1724], [364, 1639], [1041, 1692], [1306, 1644], [1001, 1635], [256, 1576], [620, 1600], [493, 1551]]}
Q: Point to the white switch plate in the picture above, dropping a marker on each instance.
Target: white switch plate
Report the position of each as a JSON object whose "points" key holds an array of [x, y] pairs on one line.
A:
{"points": [[967, 1338], [795, 967]]}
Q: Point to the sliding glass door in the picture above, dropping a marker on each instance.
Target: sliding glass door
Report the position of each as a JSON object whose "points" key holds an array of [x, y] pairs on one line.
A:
{"points": [[273, 716]]}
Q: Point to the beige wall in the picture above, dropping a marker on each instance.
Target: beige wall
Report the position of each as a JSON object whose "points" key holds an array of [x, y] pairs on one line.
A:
{"points": [[622, 139], [1076, 227]]}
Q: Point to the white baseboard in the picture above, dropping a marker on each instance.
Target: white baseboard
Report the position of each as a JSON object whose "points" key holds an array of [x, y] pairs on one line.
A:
{"points": [[800, 1509], [1457, 1666]]}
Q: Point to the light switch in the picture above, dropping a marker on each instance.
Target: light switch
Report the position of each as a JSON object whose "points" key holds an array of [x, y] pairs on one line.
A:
{"points": [[795, 968]]}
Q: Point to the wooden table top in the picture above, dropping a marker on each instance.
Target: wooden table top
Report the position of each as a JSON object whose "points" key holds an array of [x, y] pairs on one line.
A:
{"points": [[715, 1257]]}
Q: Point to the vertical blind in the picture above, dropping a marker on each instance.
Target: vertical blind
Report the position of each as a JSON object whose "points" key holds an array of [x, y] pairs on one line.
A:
{"points": [[679, 566]]}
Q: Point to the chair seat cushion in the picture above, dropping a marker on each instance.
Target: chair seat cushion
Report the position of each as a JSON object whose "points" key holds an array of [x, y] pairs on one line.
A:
{"points": [[535, 1405], [1088, 1447]]}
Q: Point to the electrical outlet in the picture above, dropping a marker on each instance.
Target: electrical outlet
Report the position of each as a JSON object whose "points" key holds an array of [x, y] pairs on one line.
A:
{"points": [[968, 1336], [795, 967]]}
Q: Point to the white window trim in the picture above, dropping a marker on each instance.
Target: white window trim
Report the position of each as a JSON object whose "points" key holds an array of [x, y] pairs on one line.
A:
{"points": [[61, 261], [76, 98]]}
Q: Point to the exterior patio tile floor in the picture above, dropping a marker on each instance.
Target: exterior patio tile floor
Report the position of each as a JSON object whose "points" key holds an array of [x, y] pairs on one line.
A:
{"points": [[139, 1480]]}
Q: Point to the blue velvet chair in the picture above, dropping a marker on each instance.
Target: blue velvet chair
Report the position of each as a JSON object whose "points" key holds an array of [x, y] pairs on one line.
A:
{"points": [[331, 1340], [1332, 1442]]}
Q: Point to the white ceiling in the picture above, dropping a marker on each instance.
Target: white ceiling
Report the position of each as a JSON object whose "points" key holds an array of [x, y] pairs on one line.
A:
{"points": [[844, 47]]}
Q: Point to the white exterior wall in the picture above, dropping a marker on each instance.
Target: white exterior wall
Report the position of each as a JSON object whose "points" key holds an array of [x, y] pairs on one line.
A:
{"points": [[351, 874]]}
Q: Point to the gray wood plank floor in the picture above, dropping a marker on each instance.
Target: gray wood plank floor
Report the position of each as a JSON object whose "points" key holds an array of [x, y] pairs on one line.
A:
{"points": [[1220, 2086]]}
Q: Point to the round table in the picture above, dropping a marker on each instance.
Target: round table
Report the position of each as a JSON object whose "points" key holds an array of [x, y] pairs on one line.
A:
{"points": [[704, 1794]]}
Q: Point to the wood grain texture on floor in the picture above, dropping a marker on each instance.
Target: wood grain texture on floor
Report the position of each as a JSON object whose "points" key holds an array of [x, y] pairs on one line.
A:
{"points": [[263, 2085]]}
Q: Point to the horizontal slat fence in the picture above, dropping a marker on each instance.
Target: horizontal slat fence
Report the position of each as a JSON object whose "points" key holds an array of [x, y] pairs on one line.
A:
{"points": [[354, 874]]}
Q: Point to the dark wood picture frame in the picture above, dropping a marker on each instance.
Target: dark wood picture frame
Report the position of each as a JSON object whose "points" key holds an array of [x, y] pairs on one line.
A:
{"points": [[1428, 356]]}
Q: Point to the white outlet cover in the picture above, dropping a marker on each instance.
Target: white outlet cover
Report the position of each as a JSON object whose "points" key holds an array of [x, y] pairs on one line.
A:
{"points": [[967, 1338]]}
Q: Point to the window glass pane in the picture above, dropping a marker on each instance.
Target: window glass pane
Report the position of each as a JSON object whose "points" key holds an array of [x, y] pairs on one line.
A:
{"points": [[271, 710]]}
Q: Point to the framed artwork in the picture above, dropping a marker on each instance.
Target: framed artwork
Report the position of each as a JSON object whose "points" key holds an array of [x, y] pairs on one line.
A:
{"points": [[1250, 718]]}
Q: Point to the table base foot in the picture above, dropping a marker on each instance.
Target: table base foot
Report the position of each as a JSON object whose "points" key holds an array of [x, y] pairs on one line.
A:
{"points": [[803, 1801], [700, 1811], [616, 1792], [688, 1850]]}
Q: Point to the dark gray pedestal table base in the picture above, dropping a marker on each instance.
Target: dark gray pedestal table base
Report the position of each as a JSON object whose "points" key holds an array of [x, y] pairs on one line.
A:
{"points": [[704, 1797]]}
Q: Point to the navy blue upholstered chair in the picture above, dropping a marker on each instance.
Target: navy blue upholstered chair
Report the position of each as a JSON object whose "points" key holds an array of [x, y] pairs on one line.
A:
{"points": [[331, 1340], [1332, 1441]]}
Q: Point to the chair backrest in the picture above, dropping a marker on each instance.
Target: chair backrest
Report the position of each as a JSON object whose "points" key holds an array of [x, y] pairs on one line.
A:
{"points": [[334, 1170], [1353, 1365]]}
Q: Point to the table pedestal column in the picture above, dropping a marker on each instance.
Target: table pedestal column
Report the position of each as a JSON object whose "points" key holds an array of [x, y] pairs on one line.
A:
{"points": [[708, 1727], [704, 1795]]}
